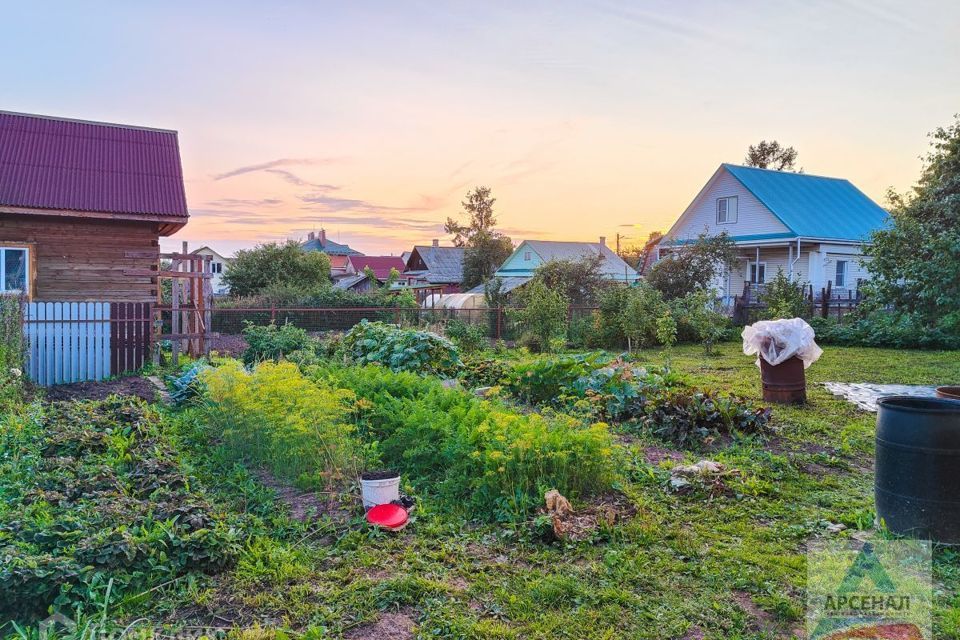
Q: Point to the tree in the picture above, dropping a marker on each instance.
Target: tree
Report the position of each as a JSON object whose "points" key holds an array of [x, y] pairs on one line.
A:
{"points": [[770, 155], [485, 247], [543, 316], [581, 281], [284, 265], [915, 263], [693, 266]]}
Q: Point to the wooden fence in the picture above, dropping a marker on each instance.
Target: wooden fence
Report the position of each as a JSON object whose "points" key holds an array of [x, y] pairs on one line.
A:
{"points": [[80, 341]]}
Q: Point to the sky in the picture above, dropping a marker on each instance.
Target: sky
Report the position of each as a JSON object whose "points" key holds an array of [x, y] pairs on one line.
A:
{"points": [[373, 119]]}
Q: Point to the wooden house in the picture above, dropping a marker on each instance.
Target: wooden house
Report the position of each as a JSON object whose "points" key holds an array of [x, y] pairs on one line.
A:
{"points": [[83, 206]]}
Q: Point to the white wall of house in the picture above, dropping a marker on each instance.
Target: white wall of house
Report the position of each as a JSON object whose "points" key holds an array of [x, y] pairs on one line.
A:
{"points": [[752, 217], [218, 266]]}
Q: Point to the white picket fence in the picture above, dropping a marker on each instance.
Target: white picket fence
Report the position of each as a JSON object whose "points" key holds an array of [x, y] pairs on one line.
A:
{"points": [[67, 341]]}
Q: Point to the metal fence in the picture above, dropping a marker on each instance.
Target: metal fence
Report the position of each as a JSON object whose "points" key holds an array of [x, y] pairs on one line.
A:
{"points": [[497, 324]]}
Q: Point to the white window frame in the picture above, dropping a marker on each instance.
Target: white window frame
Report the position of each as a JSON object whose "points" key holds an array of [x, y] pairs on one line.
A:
{"points": [[3, 269], [762, 264], [216, 267], [840, 274], [727, 202]]}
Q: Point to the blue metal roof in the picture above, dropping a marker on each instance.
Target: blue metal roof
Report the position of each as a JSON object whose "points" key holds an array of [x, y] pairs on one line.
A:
{"points": [[329, 247], [813, 206]]}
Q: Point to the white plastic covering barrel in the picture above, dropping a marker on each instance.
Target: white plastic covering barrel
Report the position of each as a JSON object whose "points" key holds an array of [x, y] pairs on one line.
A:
{"points": [[777, 341]]}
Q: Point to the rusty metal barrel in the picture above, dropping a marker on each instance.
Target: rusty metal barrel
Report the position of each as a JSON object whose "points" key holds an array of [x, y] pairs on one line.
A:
{"points": [[784, 383], [917, 482]]}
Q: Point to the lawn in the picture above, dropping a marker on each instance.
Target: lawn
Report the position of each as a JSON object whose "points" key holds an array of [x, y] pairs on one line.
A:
{"points": [[727, 564]]}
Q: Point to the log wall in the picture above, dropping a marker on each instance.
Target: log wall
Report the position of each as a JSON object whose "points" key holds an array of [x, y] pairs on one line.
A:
{"points": [[84, 259]]}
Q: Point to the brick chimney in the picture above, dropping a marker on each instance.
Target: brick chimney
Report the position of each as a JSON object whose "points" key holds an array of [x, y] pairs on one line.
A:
{"points": [[322, 237], [436, 242], [603, 241], [311, 235]]}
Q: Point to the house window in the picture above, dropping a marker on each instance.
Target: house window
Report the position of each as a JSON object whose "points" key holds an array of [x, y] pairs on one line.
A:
{"points": [[526, 256], [216, 267], [13, 269], [841, 278], [757, 272], [727, 210]]}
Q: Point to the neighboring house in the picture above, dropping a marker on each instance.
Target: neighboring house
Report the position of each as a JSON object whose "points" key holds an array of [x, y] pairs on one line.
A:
{"points": [[520, 267], [219, 265], [811, 227], [381, 265], [435, 269], [356, 277], [338, 253], [83, 206]]}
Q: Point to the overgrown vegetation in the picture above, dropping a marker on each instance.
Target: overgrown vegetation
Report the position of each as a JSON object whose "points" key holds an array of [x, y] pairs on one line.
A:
{"points": [[272, 342], [96, 508], [11, 352], [279, 266], [785, 298], [542, 316]]}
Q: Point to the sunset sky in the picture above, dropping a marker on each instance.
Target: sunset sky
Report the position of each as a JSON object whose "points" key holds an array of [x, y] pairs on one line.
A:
{"points": [[373, 119]]}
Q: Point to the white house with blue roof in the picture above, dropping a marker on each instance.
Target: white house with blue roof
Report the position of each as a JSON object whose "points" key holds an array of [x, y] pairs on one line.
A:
{"points": [[522, 264], [811, 227]]}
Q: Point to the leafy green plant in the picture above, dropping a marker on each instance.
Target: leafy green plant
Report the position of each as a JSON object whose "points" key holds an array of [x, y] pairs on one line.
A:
{"points": [[400, 349], [543, 316], [188, 386], [270, 342], [11, 351], [785, 298], [698, 320], [884, 329], [544, 380], [689, 419], [468, 337], [275, 417], [479, 371]]}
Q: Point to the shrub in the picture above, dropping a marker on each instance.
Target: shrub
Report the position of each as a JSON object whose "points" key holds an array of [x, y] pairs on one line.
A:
{"points": [[468, 337], [271, 264], [471, 451], [698, 321], [188, 386], [271, 342], [277, 418], [883, 329], [785, 298], [543, 316], [692, 266], [400, 349]]}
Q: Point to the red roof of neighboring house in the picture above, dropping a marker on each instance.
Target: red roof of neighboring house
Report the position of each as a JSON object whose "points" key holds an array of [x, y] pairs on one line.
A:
{"points": [[381, 265], [106, 170]]}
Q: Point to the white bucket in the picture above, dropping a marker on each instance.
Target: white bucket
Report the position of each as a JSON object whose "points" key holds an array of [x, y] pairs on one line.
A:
{"points": [[379, 491]]}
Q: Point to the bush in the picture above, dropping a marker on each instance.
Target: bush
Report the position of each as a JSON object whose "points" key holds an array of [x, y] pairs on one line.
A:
{"points": [[475, 452], [277, 418], [543, 316], [698, 321], [883, 329], [544, 380], [785, 298], [640, 316], [469, 338], [271, 342], [400, 349]]}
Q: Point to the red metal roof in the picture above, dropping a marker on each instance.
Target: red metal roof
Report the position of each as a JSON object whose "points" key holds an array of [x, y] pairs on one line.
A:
{"points": [[72, 165], [381, 265]]}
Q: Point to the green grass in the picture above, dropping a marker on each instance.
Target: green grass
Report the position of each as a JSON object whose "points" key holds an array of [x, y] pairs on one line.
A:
{"points": [[684, 566]]}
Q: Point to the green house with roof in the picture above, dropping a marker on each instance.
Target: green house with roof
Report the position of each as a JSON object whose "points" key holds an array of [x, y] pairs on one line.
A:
{"points": [[812, 227]]}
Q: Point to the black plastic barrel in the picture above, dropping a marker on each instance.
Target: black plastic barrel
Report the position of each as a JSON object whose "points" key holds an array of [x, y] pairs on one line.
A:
{"points": [[917, 483]]}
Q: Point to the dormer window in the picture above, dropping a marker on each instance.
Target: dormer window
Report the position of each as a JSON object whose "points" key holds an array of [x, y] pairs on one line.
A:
{"points": [[727, 210], [526, 256]]}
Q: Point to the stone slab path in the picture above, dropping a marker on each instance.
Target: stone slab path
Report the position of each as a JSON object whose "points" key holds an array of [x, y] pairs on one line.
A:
{"points": [[866, 394]]}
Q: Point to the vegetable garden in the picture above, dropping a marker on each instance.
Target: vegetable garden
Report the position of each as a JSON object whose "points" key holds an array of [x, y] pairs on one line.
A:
{"points": [[234, 508]]}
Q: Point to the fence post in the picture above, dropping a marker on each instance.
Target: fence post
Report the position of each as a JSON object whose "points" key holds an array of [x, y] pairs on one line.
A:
{"points": [[273, 314], [499, 321]]}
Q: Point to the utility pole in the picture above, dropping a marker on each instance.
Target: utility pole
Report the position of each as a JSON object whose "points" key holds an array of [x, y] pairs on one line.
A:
{"points": [[619, 238]]}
